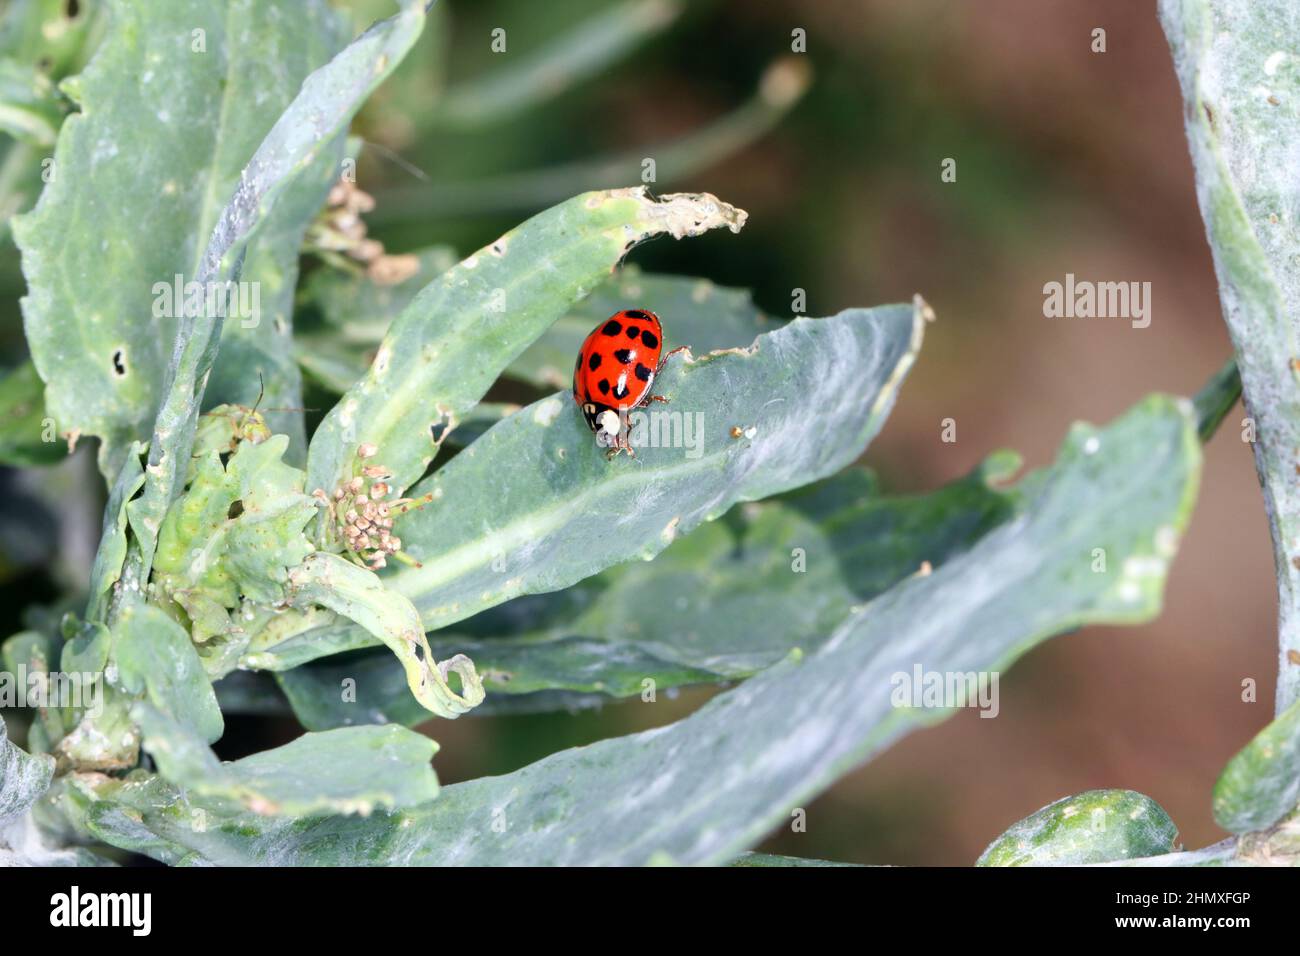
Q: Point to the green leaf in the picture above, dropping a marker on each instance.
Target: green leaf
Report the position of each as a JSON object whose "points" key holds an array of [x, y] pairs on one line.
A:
{"points": [[593, 45], [318, 115], [234, 534], [352, 770], [1099, 826], [53, 34], [107, 569], [1216, 398], [534, 505], [130, 219], [776, 860], [155, 657], [22, 420], [29, 107], [781, 86], [24, 778], [695, 313], [346, 316], [788, 733], [1239, 67], [733, 597], [342, 316], [358, 595], [37, 653], [1261, 784], [449, 345]]}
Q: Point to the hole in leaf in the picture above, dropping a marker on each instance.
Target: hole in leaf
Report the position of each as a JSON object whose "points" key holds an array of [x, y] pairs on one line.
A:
{"points": [[119, 362], [236, 509], [72, 8]]}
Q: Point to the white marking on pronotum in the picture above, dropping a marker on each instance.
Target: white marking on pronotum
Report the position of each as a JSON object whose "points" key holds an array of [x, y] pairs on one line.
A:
{"points": [[608, 422]]}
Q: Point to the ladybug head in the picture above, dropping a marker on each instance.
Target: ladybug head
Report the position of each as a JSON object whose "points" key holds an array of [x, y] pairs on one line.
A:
{"points": [[604, 422]]}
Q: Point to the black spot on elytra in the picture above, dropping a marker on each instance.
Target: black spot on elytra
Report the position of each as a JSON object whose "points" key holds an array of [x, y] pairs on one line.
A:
{"points": [[620, 391], [642, 372], [593, 363], [611, 328], [636, 314], [633, 332], [603, 385], [624, 356], [649, 339]]}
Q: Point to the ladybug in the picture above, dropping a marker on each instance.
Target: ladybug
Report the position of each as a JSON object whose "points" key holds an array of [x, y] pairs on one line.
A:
{"points": [[615, 370]]}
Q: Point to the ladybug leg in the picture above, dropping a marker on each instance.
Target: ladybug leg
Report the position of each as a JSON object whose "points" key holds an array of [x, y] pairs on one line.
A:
{"points": [[659, 368], [626, 438], [622, 444], [664, 359]]}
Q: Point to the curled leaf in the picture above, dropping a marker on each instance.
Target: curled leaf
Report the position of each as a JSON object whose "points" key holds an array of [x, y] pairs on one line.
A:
{"points": [[360, 596]]}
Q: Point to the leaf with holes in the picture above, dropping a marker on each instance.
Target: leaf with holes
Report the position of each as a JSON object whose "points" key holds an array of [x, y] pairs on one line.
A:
{"points": [[454, 338], [116, 225]]}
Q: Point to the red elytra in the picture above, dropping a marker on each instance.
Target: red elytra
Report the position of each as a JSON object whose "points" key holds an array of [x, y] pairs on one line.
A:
{"points": [[614, 372]]}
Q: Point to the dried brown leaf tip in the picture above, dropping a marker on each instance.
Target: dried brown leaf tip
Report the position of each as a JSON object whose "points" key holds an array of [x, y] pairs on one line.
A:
{"points": [[339, 231]]}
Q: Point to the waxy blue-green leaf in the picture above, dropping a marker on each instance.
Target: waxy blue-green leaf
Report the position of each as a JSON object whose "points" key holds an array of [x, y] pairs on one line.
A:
{"points": [[454, 338], [352, 770], [155, 658], [1099, 826], [534, 505], [203, 82], [1261, 783], [776, 860], [1238, 62], [708, 787], [358, 595], [694, 312], [106, 572], [317, 117], [23, 778], [342, 318], [733, 597]]}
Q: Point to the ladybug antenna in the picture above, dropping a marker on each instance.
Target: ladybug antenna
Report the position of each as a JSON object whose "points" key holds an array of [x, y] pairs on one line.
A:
{"points": [[261, 392], [397, 160]]}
